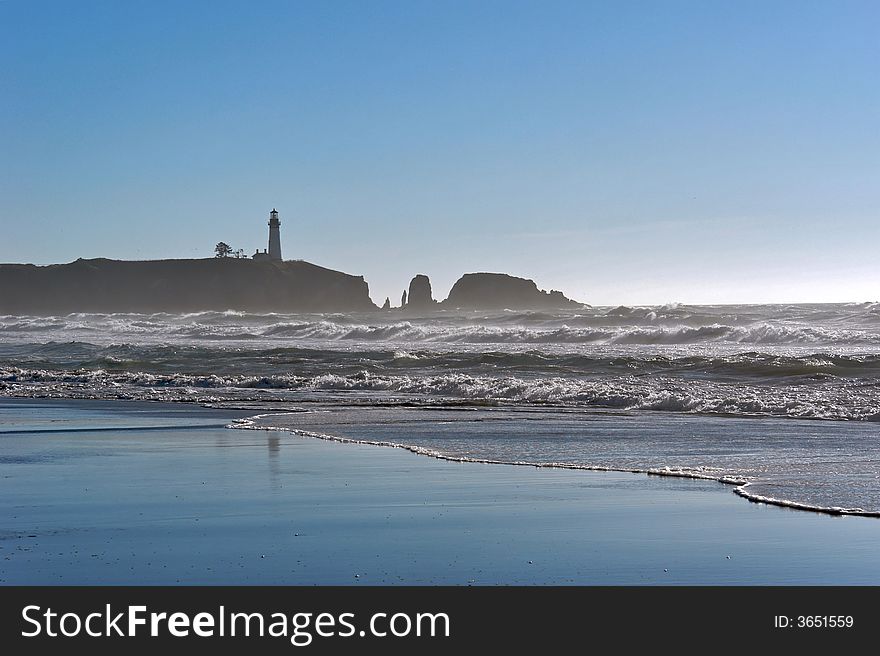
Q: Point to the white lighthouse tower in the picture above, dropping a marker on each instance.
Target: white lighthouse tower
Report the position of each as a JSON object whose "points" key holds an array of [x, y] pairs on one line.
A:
{"points": [[274, 235]]}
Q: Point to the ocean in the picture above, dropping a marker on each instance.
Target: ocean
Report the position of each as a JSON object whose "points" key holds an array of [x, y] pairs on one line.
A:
{"points": [[782, 402]]}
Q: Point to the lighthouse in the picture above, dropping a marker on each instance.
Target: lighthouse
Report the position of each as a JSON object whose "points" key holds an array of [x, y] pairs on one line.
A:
{"points": [[274, 235]]}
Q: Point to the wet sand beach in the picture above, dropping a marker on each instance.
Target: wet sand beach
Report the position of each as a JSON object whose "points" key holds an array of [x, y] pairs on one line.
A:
{"points": [[118, 492]]}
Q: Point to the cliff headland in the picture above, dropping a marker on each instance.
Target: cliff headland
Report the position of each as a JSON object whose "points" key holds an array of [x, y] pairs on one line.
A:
{"points": [[102, 285]]}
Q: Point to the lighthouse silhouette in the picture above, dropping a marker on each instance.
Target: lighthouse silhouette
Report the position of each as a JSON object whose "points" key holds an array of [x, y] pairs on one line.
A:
{"points": [[274, 235]]}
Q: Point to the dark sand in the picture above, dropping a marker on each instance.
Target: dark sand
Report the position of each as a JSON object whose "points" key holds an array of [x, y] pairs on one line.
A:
{"points": [[97, 492]]}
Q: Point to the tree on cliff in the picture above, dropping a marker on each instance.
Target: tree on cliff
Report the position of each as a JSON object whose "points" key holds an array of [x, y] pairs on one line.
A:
{"points": [[222, 250]]}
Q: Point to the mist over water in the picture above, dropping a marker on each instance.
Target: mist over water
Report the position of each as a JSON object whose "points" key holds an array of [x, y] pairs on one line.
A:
{"points": [[790, 362]]}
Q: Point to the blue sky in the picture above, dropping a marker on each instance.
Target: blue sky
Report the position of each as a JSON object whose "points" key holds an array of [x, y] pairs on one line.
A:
{"points": [[623, 152]]}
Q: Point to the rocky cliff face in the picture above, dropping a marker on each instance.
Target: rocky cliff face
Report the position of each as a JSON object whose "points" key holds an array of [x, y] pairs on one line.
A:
{"points": [[102, 285], [498, 291], [419, 297]]}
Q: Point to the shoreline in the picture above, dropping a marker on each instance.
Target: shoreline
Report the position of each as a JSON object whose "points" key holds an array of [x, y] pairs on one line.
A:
{"points": [[740, 484], [192, 503]]}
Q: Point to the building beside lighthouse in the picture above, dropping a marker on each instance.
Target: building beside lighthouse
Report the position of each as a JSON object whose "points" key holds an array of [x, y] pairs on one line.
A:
{"points": [[274, 251]]}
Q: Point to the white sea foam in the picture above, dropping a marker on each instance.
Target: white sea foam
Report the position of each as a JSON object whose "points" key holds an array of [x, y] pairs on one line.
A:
{"points": [[670, 324], [834, 400], [749, 470]]}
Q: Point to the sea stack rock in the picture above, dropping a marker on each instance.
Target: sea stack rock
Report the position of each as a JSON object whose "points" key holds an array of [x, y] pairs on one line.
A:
{"points": [[419, 297], [387, 305], [499, 291]]}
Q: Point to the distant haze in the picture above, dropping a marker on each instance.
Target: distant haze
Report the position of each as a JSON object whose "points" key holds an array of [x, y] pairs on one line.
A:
{"points": [[621, 152]]}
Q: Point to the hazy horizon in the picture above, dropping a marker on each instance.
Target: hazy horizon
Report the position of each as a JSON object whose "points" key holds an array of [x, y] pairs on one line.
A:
{"points": [[440, 293], [622, 153]]}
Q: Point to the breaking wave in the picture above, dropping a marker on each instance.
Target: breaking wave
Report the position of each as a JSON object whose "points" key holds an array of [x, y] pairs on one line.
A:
{"points": [[668, 325], [756, 334], [816, 361], [848, 401]]}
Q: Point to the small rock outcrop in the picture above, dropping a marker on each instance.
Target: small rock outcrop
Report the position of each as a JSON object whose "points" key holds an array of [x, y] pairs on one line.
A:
{"points": [[420, 297], [387, 304], [499, 291]]}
